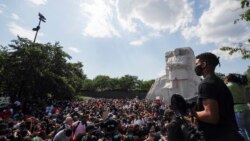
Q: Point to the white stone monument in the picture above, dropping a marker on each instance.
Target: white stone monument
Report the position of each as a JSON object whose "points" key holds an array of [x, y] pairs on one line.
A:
{"points": [[180, 77]]}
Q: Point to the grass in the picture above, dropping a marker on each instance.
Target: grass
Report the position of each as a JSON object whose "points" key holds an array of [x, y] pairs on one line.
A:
{"points": [[81, 97]]}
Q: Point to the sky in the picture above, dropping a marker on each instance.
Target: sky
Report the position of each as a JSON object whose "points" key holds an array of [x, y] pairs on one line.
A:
{"points": [[119, 37]]}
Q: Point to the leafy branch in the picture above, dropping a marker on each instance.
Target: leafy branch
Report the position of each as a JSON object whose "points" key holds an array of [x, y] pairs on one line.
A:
{"points": [[241, 47]]}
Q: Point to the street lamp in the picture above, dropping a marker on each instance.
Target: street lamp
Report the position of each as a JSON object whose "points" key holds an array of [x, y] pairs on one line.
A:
{"points": [[41, 18]]}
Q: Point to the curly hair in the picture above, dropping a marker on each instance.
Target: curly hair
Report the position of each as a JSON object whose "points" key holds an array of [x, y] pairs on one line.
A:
{"points": [[209, 58]]}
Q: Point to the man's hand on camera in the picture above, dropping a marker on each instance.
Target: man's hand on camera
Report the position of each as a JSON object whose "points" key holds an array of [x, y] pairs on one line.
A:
{"points": [[191, 119]]}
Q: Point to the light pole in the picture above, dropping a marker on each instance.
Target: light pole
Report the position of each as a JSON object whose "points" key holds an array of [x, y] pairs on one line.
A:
{"points": [[41, 18]]}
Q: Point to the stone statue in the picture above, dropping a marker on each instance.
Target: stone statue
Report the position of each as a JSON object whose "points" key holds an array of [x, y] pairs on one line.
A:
{"points": [[180, 77]]}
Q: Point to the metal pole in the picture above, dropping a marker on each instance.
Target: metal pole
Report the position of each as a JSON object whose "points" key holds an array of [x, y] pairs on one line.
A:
{"points": [[38, 27], [41, 18]]}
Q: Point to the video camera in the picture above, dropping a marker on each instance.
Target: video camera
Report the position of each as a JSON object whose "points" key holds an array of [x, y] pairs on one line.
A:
{"points": [[185, 130]]}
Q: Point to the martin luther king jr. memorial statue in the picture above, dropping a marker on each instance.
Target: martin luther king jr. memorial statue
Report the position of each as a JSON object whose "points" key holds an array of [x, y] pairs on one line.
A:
{"points": [[180, 77]]}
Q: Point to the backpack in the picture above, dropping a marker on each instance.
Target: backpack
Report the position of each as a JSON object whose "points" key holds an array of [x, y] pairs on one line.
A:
{"points": [[75, 127], [79, 136]]}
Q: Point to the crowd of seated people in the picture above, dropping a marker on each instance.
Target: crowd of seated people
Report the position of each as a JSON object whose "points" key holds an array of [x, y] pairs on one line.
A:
{"points": [[89, 120]]}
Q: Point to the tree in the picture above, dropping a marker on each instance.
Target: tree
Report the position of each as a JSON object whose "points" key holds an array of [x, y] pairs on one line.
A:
{"points": [[34, 70], [102, 83], [88, 85], [3, 62], [128, 82], [246, 15], [144, 85], [241, 47], [115, 84]]}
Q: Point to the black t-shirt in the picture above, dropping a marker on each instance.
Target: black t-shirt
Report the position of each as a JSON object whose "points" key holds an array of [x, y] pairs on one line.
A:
{"points": [[212, 87]]}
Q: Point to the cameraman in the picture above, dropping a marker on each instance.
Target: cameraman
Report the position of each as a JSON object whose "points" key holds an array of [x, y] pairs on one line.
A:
{"points": [[242, 112], [215, 116]]}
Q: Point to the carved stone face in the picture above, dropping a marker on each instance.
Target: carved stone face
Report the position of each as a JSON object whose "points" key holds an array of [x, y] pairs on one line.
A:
{"points": [[181, 58], [179, 78]]}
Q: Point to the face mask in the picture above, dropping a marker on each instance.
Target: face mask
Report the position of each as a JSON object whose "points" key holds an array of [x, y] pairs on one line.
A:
{"points": [[198, 70]]}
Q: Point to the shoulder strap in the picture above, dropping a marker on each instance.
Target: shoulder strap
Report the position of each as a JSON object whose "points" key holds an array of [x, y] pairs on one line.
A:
{"points": [[74, 129]]}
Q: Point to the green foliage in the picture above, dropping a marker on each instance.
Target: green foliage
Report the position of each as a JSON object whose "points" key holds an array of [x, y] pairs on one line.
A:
{"points": [[115, 84], [145, 85], [244, 3], [245, 53], [128, 82], [245, 16], [102, 83], [88, 85], [33, 70], [40, 71], [241, 47]]}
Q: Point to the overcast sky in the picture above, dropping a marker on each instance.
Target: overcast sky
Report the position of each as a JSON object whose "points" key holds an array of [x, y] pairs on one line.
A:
{"points": [[119, 37]]}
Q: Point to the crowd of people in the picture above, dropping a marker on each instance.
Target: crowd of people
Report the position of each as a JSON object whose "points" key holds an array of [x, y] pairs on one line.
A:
{"points": [[90, 120], [221, 114]]}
